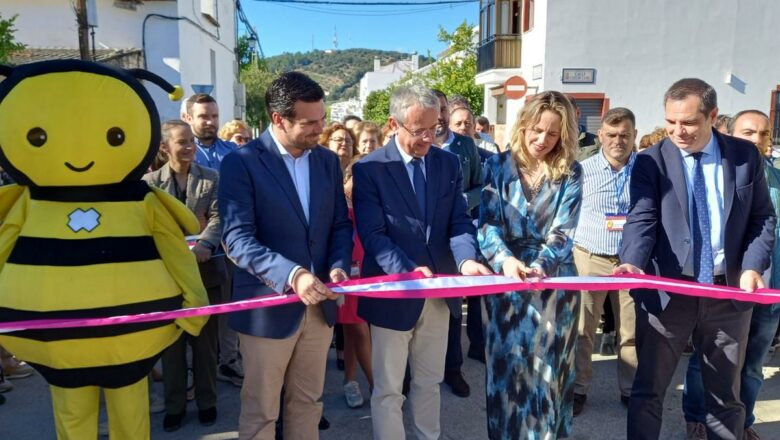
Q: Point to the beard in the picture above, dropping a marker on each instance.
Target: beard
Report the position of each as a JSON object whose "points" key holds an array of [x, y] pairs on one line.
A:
{"points": [[206, 134], [304, 144], [442, 128]]}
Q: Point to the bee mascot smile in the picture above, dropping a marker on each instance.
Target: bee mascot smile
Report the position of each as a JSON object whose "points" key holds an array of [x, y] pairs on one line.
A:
{"points": [[83, 236]]}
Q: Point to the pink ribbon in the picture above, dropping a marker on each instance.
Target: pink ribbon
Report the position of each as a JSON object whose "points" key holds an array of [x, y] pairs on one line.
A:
{"points": [[416, 285]]}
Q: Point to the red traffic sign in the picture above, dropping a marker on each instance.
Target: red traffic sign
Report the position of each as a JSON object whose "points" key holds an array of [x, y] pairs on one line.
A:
{"points": [[515, 87]]}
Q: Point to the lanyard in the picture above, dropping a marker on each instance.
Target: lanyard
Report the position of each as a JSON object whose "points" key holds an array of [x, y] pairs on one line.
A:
{"points": [[620, 183], [205, 152]]}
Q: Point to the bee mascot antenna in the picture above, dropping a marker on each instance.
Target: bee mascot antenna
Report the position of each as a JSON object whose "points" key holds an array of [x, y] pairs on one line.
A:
{"points": [[83, 236]]}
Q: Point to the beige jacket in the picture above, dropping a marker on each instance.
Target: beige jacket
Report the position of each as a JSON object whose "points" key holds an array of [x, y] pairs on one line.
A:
{"points": [[202, 185]]}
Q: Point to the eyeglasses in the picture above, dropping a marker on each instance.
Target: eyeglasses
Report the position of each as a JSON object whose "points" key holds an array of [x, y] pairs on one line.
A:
{"points": [[338, 140], [431, 132]]}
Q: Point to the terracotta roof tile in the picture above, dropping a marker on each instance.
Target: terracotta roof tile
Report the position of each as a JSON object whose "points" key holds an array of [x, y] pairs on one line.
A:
{"points": [[127, 58]]}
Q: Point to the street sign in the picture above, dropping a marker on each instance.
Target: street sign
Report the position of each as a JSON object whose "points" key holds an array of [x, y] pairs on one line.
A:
{"points": [[578, 76], [515, 87]]}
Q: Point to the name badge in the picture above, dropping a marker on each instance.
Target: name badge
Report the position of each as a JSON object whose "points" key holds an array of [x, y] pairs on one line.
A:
{"points": [[615, 221]]}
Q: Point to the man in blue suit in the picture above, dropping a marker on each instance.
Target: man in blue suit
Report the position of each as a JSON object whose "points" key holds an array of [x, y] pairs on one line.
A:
{"points": [[700, 211], [281, 200], [411, 216]]}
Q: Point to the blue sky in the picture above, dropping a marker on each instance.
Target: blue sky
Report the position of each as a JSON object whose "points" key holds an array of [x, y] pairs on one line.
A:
{"points": [[291, 28]]}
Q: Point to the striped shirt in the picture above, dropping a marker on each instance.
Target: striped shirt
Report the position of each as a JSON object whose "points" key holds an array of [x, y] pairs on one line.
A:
{"points": [[604, 191]]}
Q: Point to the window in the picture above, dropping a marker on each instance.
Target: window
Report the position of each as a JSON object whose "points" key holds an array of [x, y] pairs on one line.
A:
{"points": [[516, 17], [528, 16], [503, 16], [490, 18], [509, 17], [487, 20], [209, 10], [483, 19]]}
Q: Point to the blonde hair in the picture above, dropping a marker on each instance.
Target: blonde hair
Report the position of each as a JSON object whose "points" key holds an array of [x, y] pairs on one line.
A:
{"points": [[557, 163], [232, 127], [656, 136], [366, 127]]}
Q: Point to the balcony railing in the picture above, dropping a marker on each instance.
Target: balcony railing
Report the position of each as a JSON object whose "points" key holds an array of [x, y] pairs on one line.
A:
{"points": [[499, 52]]}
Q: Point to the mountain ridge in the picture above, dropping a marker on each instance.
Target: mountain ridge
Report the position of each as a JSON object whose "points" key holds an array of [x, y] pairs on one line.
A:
{"points": [[337, 71]]}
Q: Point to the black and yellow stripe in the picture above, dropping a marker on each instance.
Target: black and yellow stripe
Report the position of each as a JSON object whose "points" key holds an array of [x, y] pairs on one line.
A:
{"points": [[114, 376], [36, 251], [115, 269]]}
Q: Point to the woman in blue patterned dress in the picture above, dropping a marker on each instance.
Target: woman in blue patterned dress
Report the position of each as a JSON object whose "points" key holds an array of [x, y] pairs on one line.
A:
{"points": [[528, 213]]}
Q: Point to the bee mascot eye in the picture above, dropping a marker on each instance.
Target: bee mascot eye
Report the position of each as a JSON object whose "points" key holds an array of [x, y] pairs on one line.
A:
{"points": [[36, 137], [115, 136]]}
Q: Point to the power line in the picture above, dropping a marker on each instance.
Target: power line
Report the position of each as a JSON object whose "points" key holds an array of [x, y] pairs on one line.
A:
{"points": [[249, 28], [361, 13], [380, 3]]}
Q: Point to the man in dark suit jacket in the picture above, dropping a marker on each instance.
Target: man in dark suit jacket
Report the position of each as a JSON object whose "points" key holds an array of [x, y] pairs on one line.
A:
{"points": [[700, 211], [471, 167], [411, 216], [282, 205]]}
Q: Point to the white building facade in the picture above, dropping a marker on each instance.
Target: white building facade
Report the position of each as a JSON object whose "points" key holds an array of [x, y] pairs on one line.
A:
{"points": [[190, 43], [339, 110], [382, 76], [616, 53]]}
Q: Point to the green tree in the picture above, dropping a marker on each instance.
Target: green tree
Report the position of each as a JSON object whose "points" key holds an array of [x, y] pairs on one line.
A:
{"points": [[245, 54], [8, 44], [377, 106], [454, 73], [256, 79]]}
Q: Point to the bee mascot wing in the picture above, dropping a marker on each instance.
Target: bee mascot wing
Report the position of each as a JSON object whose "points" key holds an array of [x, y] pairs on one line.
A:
{"points": [[170, 218], [11, 218]]}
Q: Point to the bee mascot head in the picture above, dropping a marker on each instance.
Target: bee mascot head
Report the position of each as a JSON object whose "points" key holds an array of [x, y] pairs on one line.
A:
{"points": [[75, 123]]}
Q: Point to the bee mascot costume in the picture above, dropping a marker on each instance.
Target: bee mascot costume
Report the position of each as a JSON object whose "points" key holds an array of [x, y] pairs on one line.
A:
{"points": [[83, 236]]}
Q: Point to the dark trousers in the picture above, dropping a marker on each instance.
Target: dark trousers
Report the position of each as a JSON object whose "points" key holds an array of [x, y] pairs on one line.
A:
{"points": [[454, 358], [474, 329], [762, 328], [720, 332], [204, 366]]}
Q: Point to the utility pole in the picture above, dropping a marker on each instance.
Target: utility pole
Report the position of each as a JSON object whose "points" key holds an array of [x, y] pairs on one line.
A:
{"points": [[81, 20]]}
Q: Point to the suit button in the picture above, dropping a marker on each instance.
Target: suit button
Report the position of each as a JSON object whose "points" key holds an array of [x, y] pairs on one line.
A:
{"points": [[687, 241]]}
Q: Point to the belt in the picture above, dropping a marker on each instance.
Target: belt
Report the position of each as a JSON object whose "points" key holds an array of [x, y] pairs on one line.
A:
{"points": [[718, 280], [609, 257]]}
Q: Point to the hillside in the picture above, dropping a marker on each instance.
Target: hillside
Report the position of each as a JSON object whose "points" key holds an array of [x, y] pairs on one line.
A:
{"points": [[338, 72]]}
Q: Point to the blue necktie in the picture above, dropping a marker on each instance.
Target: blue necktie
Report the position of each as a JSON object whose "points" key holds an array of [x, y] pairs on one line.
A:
{"points": [[703, 264], [419, 184]]}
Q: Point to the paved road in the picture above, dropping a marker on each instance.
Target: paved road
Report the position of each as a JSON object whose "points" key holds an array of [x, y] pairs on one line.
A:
{"points": [[27, 413]]}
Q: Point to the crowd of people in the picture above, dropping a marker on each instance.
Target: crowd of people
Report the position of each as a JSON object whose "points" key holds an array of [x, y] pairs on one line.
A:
{"points": [[308, 203]]}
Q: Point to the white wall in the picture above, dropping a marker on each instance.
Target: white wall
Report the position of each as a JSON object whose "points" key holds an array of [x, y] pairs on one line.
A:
{"points": [[162, 43], [372, 81], [640, 48], [195, 48], [43, 23]]}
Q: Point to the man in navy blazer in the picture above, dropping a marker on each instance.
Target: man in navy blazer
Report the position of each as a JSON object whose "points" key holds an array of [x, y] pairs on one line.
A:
{"points": [[700, 211], [284, 216], [411, 216]]}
